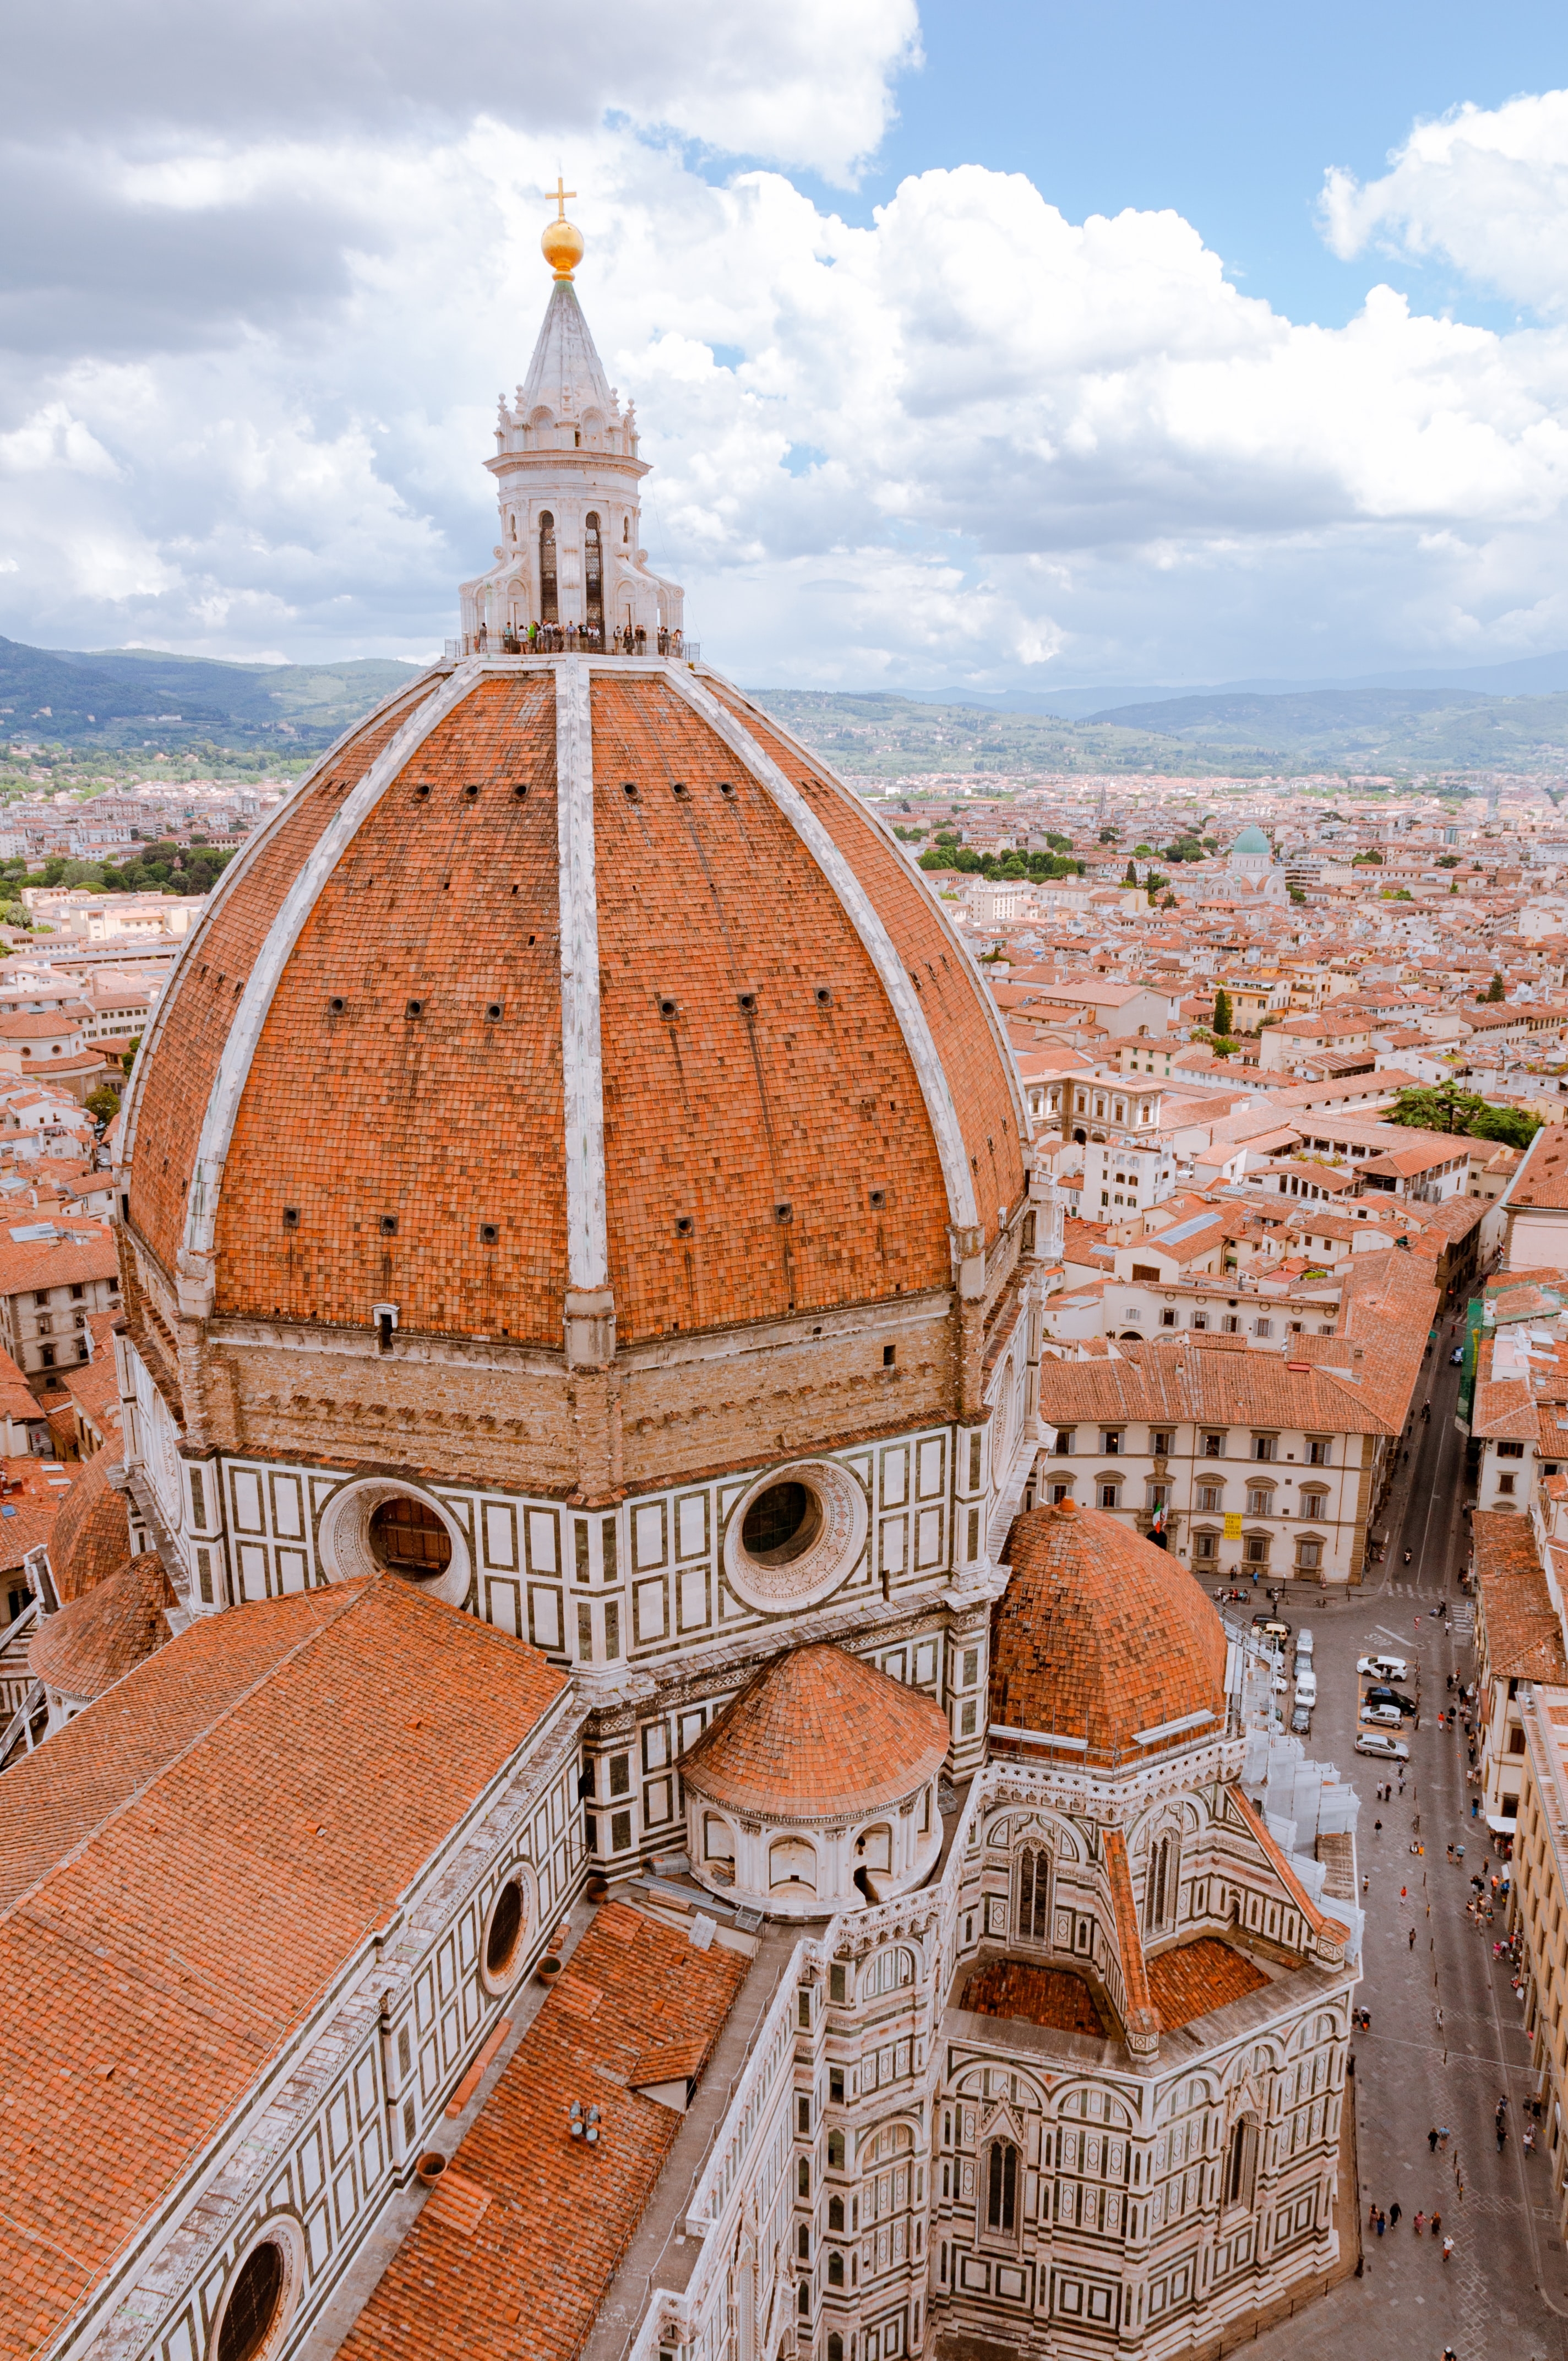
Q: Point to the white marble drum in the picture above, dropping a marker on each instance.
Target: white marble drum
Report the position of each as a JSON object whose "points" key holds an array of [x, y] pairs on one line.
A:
{"points": [[815, 1790]]}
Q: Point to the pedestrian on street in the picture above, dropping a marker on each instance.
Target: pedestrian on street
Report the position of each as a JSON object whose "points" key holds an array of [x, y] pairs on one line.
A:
{"points": [[1447, 2248], [1382, 2223], [1530, 2139], [1412, 1939], [1394, 2212], [1436, 2224], [1431, 2136], [1419, 2224], [1372, 2216], [1502, 2135], [1378, 1830]]}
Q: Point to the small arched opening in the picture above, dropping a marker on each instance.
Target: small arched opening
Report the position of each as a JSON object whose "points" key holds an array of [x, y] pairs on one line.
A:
{"points": [[549, 603]]}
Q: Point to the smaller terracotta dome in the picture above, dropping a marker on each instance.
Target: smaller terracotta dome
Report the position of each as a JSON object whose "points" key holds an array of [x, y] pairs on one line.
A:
{"points": [[1103, 1638], [818, 1735], [92, 1536], [96, 1639]]}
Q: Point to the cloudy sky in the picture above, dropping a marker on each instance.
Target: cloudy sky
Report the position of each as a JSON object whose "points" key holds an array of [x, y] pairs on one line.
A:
{"points": [[1001, 344]]}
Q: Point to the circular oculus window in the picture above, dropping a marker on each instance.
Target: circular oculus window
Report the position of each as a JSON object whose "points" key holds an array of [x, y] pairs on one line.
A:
{"points": [[794, 1536], [259, 2299], [508, 1925], [375, 1527]]}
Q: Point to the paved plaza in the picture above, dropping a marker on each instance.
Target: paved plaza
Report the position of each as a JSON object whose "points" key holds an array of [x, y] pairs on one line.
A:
{"points": [[1446, 2039]]}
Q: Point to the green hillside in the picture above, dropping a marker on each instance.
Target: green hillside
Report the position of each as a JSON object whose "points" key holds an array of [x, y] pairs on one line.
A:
{"points": [[133, 696]]}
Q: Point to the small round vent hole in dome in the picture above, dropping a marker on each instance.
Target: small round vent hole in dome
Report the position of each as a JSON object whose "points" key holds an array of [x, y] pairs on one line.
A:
{"points": [[628, 789], [490, 1233], [422, 790], [414, 1008], [337, 1004], [824, 995], [749, 1001], [781, 1523], [493, 1010], [668, 1006], [726, 787], [470, 791], [684, 1225]]}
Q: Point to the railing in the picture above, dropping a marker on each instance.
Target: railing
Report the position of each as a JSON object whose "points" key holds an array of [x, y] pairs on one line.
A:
{"points": [[573, 640]]}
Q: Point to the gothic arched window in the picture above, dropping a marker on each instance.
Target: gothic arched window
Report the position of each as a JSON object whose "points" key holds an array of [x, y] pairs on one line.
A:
{"points": [[1160, 1884], [1002, 2185], [1033, 1894], [592, 574], [1240, 2151], [549, 609]]}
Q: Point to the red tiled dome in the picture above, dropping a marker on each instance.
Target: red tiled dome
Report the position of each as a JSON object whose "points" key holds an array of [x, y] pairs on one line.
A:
{"points": [[97, 1639], [92, 1535], [1100, 1636], [384, 1044], [818, 1735]]}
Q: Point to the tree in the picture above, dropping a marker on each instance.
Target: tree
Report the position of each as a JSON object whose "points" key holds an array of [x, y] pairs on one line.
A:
{"points": [[1368, 861], [1108, 835], [1495, 989], [1154, 883], [1060, 843], [1223, 1014], [103, 1103], [1448, 1108], [1132, 876], [128, 1057]]}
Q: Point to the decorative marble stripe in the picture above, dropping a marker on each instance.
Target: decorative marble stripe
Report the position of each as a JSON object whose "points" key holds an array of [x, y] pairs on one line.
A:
{"points": [[195, 1277], [879, 944], [582, 1059]]}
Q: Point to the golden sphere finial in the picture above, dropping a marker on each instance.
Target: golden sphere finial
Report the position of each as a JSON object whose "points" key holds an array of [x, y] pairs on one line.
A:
{"points": [[562, 244]]}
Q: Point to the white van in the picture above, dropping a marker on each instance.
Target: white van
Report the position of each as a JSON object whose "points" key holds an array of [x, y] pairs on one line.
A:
{"points": [[1306, 1683], [1303, 1645]]}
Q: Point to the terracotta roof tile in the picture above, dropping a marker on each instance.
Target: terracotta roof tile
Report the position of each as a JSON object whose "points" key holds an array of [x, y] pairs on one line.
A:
{"points": [[96, 1639], [1196, 1977], [1100, 1635], [352, 1113], [1524, 1635], [819, 1734], [92, 1534], [530, 2274], [1048, 1997], [228, 1804]]}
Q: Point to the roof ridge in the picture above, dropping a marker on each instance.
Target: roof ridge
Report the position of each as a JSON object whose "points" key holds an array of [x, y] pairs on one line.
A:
{"points": [[356, 1591]]}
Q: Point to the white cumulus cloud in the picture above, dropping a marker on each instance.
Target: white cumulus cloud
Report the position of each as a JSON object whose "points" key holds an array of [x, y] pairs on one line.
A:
{"points": [[1485, 189]]}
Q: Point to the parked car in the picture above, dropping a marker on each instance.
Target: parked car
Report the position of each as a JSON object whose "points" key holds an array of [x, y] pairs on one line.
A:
{"points": [[1301, 1720], [1306, 1684], [1383, 1668], [1304, 1644], [1379, 1694], [1281, 1685], [1378, 1742], [1456, 1359], [1272, 1628], [1382, 1717]]}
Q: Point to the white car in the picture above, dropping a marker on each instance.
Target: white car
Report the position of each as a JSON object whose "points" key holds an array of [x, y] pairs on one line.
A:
{"points": [[1377, 1741], [1383, 1668], [1382, 1717]]}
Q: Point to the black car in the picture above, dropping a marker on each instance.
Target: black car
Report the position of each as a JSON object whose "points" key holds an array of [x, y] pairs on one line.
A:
{"points": [[1380, 1695]]}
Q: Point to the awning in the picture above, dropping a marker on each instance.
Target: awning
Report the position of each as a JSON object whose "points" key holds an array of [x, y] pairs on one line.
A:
{"points": [[1498, 1826]]}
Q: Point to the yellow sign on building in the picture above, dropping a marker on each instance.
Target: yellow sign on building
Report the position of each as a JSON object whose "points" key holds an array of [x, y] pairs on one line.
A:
{"points": [[1232, 1525]]}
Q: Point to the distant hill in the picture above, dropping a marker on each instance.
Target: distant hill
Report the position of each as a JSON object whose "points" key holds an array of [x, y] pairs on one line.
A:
{"points": [[125, 696], [1380, 729]]}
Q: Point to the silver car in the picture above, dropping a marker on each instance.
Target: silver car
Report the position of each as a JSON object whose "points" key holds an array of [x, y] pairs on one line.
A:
{"points": [[1378, 1742]]}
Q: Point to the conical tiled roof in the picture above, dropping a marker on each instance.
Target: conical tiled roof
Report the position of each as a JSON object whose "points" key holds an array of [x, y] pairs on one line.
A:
{"points": [[92, 1536], [97, 1640], [566, 374], [818, 1735], [1100, 1636]]}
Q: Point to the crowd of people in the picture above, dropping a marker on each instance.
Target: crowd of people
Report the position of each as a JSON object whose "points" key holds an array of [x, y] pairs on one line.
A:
{"points": [[573, 639]]}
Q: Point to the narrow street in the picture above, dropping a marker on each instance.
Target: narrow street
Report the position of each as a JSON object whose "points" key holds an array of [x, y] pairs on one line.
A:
{"points": [[1445, 2041]]}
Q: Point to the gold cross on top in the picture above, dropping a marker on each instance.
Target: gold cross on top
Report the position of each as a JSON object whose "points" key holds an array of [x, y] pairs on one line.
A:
{"points": [[561, 192]]}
